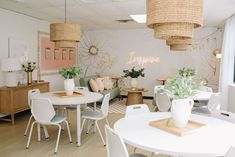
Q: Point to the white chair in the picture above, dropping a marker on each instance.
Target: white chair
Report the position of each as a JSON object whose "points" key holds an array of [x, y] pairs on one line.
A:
{"points": [[97, 115], [44, 114], [156, 89], [163, 102], [231, 152], [213, 104], [136, 109], [83, 106], [206, 89], [224, 115], [203, 102], [32, 93], [116, 146]]}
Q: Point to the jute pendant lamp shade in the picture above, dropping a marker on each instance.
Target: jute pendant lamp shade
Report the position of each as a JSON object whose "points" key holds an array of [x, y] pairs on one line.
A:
{"points": [[65, 35], [174, 20]]}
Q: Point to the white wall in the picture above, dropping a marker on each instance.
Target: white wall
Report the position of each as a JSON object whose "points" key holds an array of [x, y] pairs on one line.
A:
{"points": [[23, 28], [119, 43]]}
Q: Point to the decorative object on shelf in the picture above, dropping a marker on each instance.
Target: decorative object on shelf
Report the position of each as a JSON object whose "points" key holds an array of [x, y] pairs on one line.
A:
{"points": [[182, 88], [65, 35], [175, 18], [29, 67], [10, 66], [134, 74], [69, 74]]}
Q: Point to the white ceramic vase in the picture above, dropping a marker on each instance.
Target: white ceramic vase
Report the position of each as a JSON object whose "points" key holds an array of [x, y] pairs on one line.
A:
{"points": [[181, 111], [134, 83], [69, 86]]}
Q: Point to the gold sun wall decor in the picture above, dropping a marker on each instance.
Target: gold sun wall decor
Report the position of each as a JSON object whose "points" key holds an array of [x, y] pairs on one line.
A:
{"points": [[94, 54], [174, 18]]}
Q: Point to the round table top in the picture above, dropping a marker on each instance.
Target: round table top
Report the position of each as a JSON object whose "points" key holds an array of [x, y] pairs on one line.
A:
{"points": [[138, 90], [88, 97], [214, 139]]}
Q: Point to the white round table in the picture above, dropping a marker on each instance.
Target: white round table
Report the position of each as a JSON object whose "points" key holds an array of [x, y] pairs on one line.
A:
{"points": [[212, 140], [88, 97]]}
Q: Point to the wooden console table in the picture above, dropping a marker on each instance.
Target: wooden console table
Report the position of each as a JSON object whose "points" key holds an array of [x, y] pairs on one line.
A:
{"points": [[15, 99]]}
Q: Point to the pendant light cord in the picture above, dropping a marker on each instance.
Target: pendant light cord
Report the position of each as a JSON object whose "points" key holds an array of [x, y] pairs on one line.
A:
{"points": [[65, 9]]}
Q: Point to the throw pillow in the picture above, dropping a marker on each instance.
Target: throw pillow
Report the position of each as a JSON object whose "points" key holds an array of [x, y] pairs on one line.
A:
{"points": [[108, 83], [100, 84], [93, 85]]}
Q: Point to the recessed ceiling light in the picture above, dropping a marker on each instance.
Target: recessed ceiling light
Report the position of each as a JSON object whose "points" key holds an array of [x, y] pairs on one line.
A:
{"points": [[139, 18]]}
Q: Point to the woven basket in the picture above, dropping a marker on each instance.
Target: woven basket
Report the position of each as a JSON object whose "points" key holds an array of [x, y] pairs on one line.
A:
{"points": [[167, 30], [179, 41], [65, 34], [179, 47], [174, 11]]}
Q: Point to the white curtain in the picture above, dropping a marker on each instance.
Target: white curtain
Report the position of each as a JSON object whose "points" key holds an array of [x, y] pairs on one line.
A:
{"points": [[227, 61]]}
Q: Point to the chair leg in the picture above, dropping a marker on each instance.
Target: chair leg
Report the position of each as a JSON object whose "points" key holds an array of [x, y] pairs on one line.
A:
{"points": [[58, 139], [97, 126], [89, 126], [30, 134], [135, 150], [67, 115], [45, 132], [107, 122], [39, 132], [27, 128], [70, 139], [83, 122]]}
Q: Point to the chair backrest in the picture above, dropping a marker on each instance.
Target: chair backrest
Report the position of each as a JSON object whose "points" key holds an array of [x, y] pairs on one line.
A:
{"points": [[42, 110], [224, 115], [157, 88], [136, 109], [82, 89], [231, 152], [105, 105], [214, 102], [163, 102], [115, 145], [31, 93], [206, 89]]}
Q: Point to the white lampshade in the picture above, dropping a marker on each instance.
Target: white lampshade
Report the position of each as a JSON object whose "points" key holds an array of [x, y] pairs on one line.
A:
{"points": [[10, 64]]}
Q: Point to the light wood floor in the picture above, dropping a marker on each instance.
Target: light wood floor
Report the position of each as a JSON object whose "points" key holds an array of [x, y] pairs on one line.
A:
{"points": [[12, 141]]}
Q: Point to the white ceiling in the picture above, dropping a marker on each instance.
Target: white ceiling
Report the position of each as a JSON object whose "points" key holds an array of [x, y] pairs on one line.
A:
{"points": [[102, 14]]}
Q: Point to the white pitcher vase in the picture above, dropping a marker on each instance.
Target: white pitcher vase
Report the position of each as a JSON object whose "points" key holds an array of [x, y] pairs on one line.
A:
{"points": [[134, 83], [69, 86], [181, 111]]}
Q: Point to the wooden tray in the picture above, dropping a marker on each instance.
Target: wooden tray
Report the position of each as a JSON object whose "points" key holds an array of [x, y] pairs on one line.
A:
{"points": [[63, 94], [168, 126]]}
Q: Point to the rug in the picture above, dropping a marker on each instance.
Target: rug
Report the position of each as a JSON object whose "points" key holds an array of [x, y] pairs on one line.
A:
{"points": [[117, 107]]}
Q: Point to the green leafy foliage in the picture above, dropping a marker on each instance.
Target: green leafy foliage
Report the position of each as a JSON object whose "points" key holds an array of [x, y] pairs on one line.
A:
{"points": [[70, 73], [184, 85], [134, 73], [187, 72], [29, 66]]}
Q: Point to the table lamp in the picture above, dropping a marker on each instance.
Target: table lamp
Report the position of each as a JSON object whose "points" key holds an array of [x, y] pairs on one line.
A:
{"points": [[10, 65]]}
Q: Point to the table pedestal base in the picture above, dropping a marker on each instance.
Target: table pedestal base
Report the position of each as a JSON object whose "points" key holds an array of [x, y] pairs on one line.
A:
{"points": [[134, 98]]}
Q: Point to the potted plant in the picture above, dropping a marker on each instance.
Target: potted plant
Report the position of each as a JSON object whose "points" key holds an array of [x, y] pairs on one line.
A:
{"points": [[182, 88], [134, 74], [69, 74], [29, 67]]}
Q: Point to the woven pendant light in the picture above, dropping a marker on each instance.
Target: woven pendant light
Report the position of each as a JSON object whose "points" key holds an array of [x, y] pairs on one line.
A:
{"points": [[174, 18], [178, 43], [65, 35]]}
